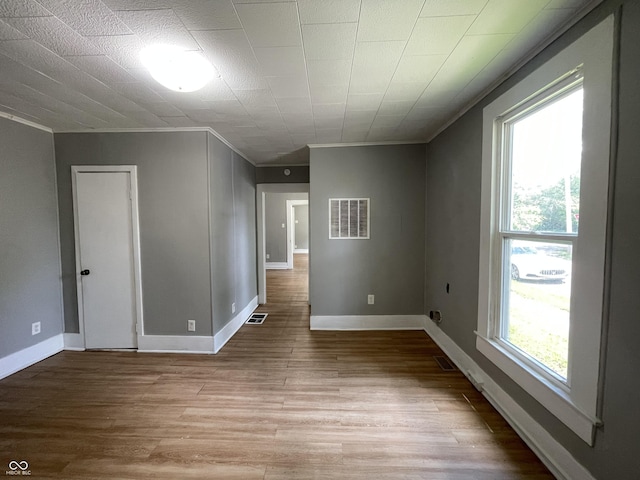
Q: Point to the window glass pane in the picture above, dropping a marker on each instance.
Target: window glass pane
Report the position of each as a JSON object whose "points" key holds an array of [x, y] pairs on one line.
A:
{"points": [[537, 295], [546, 150]]}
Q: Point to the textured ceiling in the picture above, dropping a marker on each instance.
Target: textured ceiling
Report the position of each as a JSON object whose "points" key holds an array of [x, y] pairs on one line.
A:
{"points": [[292, 73]]}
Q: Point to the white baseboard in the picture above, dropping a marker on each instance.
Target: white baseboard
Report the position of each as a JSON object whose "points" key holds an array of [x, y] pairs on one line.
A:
{"points": [[196, 344], [557, 458], [229, 330], [276, 265], [175, 344], [301, 250], [367, 322], [74, 341], [28, 356]]}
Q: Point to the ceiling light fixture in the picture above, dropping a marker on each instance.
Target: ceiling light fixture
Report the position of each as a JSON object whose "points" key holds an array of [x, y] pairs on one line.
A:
{"points": [[177, 69]]}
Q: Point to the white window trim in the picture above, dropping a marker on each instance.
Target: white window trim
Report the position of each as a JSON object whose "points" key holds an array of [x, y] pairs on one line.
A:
{"points": [[576, 404]]}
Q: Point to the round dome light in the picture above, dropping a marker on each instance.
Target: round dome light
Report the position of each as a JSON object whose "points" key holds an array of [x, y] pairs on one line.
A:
{"points": [[177, 69]]}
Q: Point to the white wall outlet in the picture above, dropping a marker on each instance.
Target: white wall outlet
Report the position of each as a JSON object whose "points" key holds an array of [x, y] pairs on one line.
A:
{"points": [[283, 226], [268, 256], [191, 325], [233, 308], [371, 299], [35, 328]]}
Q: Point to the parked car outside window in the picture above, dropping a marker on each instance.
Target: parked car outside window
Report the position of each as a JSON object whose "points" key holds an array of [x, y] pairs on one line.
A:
{"points": [[531, 263]]}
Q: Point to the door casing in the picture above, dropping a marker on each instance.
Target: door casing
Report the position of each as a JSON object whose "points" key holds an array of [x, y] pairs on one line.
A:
{"points": [[135, 233], [291, 233], [261, 190]]}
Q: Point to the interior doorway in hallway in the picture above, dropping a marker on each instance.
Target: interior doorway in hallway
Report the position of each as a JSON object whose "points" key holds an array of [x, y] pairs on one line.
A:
{"points": [[282, 243]]}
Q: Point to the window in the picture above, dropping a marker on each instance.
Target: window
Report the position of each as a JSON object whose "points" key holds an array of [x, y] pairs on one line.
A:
{"points": [[540, 151], [348, 218], [543, 228]]}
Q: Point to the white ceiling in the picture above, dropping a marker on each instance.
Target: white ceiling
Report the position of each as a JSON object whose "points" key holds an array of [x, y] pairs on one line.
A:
{"points": [[292, 73]]}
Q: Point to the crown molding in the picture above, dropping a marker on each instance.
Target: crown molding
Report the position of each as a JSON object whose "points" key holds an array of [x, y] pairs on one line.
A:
{"points": [[282, 165], [29, 123], [366, 144]]}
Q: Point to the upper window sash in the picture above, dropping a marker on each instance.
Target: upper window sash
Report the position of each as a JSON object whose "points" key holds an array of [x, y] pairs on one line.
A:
{"points": [[504, 126]]}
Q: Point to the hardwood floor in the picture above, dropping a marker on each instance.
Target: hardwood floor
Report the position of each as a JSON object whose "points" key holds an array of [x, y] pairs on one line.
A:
{"points": [[278, 402]]}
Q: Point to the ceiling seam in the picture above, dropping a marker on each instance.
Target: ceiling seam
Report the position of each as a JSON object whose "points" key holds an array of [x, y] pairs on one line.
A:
{"points": [[396, 69], [260, 66], [448, 56], [582, 12], [353, 58]]}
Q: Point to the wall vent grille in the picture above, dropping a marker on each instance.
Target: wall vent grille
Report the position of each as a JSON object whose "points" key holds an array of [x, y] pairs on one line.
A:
{"points": [[349, 218]]}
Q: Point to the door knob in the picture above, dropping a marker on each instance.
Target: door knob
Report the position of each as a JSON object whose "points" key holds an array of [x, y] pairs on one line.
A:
{"points": [[85, 272]]}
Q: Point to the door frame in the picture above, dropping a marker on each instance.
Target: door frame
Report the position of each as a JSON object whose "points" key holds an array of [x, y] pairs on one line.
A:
{"points": [[261, 190], [135, 233], [291, 234]]}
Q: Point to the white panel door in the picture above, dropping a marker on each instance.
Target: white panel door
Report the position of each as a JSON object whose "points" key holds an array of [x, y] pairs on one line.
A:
{"points": [[105, 249]]}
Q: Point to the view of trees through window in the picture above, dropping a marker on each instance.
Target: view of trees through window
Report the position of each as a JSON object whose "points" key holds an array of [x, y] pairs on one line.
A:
{"points": [[545, 210]]}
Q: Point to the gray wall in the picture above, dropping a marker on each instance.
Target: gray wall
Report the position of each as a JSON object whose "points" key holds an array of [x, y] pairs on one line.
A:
{"points": [[233, 231], [453, 202], [299, 174], [174, 222], [617, 452], [197, 225], [30, 287], [301, 226], [275, 215], [223, 258], [391, 264], [244, 188]]}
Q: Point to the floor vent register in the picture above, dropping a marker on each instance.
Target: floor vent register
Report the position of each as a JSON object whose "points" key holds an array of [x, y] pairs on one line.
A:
{"points": [[257, 318], [444, 363]]}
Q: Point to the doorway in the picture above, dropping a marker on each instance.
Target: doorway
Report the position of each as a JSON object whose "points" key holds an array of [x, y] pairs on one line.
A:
{"points": [[261, 191], [298, 229], [105, 207]]}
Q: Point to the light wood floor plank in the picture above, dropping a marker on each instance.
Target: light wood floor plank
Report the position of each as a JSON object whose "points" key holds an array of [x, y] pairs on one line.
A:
{"points": [[278, 402]]}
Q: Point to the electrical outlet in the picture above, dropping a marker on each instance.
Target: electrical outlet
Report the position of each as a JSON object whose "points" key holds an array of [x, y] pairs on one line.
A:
{"points": [[191, 325], [233, 308], [436, 316], [371, 299], [268, 256], [283, 226], [35, 328]]}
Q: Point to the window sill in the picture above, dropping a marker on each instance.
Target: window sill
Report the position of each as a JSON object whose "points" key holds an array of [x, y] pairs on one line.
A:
{"points": [[553, 398]]}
